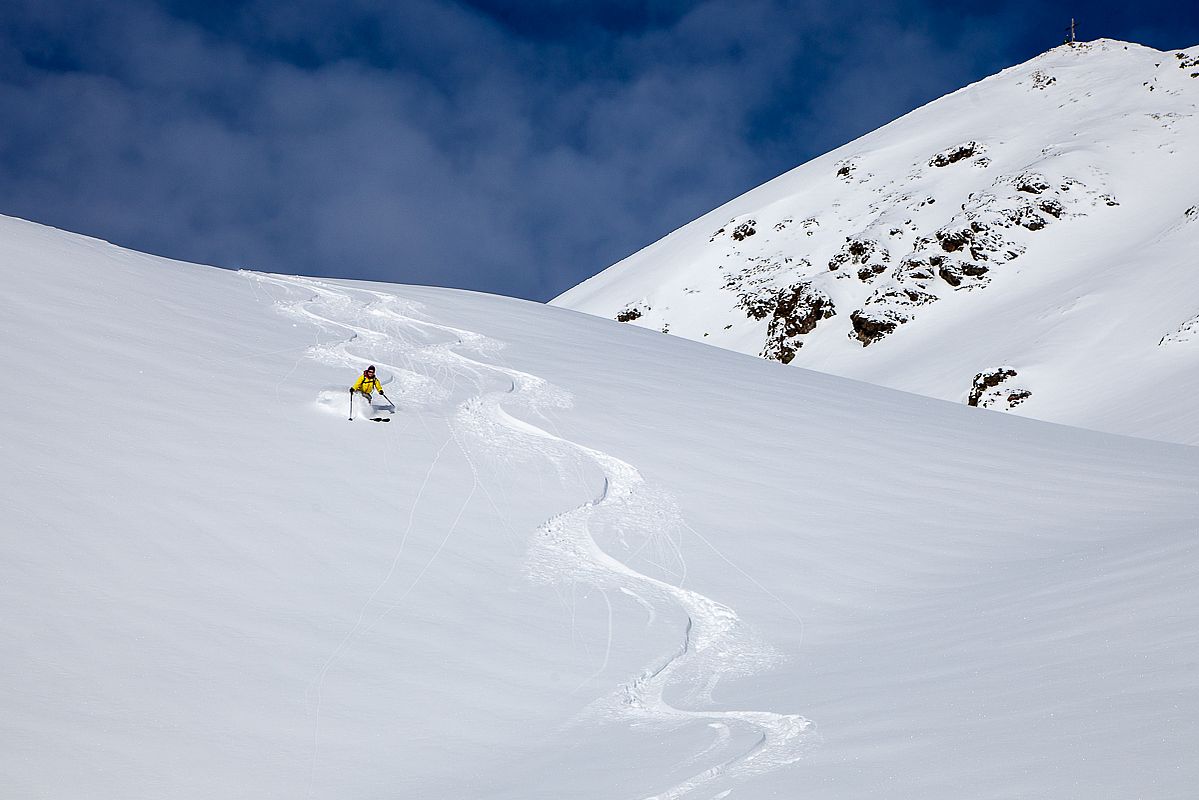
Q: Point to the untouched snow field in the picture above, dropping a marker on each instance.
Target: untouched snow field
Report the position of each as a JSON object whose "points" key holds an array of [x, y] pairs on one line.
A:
{"points": [[583, 561], [1043, 221]]}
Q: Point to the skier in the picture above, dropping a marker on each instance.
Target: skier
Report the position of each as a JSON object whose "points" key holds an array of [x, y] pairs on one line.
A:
{"points": [[366, 382]]}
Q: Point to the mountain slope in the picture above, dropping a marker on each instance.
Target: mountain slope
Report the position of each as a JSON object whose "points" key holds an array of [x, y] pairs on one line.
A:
{"points": [[1024, 243], [584, 561]]}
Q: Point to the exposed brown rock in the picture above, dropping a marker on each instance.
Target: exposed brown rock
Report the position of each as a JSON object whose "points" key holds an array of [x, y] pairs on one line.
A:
{"points": [[863, 252], [973, 234], [797, 311], [956, 273], [745, 230], [1031, 182], [1041, 80], [630, 313], [869, 325], [983, 396], [1026, 217], [1017, 397], [871, 271], [952, 155], [1052, 207], [757, 285], [988, 380]]}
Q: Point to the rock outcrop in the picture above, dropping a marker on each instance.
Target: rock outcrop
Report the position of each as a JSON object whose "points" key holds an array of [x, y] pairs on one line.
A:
{"points": [[989, 390], [631, 312], [796, 312]]}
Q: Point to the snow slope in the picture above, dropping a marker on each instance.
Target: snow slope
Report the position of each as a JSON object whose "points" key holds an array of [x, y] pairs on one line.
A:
{"points": [[584, 560], [1042, 222]]}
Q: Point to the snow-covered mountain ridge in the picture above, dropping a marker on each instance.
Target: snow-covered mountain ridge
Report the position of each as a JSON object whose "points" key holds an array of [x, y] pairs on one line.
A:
{"points": [[1027, 242]]}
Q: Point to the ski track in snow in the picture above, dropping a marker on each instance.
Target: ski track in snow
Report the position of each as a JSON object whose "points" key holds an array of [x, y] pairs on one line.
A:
{"points": [[713, 642]]}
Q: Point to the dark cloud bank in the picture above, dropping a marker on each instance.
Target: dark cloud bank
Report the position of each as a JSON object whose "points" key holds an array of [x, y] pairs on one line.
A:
{"points": [[490, 145]]}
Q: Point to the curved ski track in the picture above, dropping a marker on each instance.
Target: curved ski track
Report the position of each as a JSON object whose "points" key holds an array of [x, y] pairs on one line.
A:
{"points": [[713, 644]]}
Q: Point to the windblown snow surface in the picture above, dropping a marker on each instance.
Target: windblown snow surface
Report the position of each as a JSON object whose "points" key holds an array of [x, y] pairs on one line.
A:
{"points": [[584, 560], [1029, 242]]}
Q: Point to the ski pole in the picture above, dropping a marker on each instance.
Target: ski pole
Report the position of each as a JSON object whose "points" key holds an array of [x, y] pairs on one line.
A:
{"points": [[351, 405]]}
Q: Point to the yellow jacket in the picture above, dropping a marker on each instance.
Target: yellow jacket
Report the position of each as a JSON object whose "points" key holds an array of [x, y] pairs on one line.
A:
{"points": [[367, 385]]}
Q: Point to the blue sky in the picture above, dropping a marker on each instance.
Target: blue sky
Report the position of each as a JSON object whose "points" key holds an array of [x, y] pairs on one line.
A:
{"points": [[505, 147]]}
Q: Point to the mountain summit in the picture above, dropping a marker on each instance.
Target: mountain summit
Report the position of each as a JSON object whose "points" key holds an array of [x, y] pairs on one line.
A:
{"points": [[1025, 243]]}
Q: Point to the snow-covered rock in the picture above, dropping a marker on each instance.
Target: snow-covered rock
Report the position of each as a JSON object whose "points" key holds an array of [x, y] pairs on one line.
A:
{"points": [[1031, 219]]}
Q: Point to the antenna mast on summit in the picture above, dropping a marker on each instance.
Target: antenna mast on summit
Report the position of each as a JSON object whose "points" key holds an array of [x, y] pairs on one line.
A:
{"points": [[1071, 40]]}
